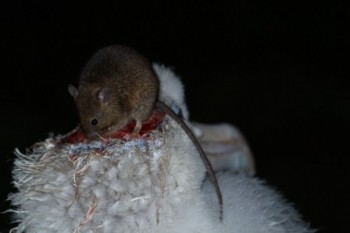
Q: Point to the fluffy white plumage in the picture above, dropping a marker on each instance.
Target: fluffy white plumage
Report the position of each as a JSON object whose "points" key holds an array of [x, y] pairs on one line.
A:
{"points": [[146, 185]]}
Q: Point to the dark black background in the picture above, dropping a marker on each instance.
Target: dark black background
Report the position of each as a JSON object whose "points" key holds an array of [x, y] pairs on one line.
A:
{"points": [[277, 70]]}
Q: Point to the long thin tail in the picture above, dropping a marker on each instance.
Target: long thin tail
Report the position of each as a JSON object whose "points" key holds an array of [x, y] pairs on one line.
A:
{"points": [[204, 157]]}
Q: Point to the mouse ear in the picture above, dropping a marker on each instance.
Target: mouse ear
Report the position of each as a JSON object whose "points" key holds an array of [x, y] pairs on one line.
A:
{"points": [[73, 91], [104, 95]]}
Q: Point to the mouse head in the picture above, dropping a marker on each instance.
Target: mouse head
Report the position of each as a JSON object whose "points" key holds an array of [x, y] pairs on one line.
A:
{"points": [[99, 111]]}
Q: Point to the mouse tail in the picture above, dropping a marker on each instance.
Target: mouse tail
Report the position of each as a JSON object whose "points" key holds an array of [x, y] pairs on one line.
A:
{"points": [[165, 108]]}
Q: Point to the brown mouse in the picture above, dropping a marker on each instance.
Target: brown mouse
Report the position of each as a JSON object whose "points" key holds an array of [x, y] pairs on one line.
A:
{"points": [[119, 85], [115, 87]]}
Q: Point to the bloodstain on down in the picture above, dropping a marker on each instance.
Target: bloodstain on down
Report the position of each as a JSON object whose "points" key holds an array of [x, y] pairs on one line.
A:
{"points": [[78, 135]]}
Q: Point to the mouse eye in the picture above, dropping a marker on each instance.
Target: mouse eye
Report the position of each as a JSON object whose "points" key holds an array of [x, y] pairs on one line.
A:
{"points": [[94, 122]]}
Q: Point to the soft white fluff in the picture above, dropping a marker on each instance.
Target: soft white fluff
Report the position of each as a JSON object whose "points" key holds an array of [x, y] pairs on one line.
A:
{"points": [[150, 185], [115, 187], [171, 88]]}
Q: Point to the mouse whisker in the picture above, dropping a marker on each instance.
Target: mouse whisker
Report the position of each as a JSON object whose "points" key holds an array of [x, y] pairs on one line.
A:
{"points": [[102, 138]]}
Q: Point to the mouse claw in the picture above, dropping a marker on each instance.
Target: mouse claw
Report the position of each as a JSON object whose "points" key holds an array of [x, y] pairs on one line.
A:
{"points": [[136, 131], [131, 135]]}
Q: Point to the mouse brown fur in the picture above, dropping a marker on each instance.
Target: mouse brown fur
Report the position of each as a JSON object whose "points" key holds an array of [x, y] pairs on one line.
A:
{"points": [[118, 85]]}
